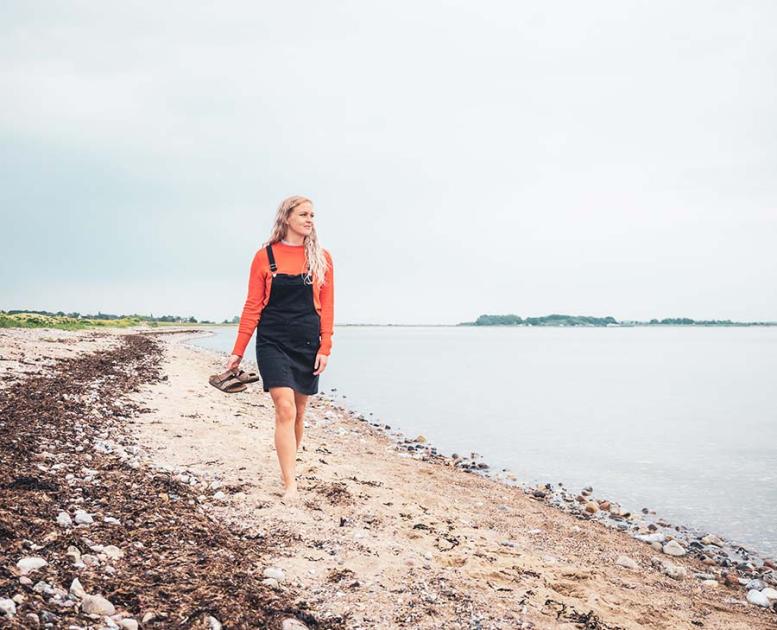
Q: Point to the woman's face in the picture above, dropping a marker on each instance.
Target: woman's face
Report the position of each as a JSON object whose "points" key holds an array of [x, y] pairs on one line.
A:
{"points": [[301, 219]]}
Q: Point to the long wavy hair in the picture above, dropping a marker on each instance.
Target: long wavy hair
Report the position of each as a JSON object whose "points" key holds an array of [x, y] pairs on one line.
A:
{"points": [[314, 254]]}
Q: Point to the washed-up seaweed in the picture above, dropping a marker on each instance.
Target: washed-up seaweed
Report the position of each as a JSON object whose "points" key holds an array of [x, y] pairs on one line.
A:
{"points": [[179, 567]]}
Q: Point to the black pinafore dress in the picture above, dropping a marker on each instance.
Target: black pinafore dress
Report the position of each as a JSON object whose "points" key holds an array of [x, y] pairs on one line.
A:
{"points": [[288, 335]]}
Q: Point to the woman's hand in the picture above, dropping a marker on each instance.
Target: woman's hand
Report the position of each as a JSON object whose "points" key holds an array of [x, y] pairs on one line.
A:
{"points": [[233, 362], [320, 364]]}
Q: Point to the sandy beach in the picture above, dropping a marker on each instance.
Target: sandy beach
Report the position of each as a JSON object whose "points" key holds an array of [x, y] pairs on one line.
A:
{"points": [[124, 470]]}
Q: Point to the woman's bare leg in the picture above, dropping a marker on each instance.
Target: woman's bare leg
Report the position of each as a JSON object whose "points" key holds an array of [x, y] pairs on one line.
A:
{"points": [[300, 402], [285, 440]]}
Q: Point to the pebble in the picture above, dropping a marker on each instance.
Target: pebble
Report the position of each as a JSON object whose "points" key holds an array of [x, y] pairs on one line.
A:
{"points": [[83, 517], [591, 507], [213, 623], [97, 605], [25, 581], [755, 585], [770, 593], [30, 564], [757, 598], [8, 607], [77, 589], [273, 572], [128, 624], [292, 624], [64, 520], [271, 582], [43, 587], [33, 619], [711, 539], [625, 561], [111, 520], [149, 616], [649, 538], [113, 552], [669, 568], [219, 496], [90, 560], [674, 548]]}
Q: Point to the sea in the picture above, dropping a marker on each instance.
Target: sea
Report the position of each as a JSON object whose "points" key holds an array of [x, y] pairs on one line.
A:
{"points": [[680, 420]]}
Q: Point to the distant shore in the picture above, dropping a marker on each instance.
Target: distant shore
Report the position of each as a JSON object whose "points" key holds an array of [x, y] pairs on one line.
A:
{"points": [[388, 533]]}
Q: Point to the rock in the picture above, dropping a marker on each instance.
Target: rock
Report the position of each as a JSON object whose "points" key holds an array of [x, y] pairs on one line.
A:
{"points": [[33, 619], [77, 590], [604, 505], [757, 598], [711, 539], [25, 581], [149, 616], [48, 617], [273, 572], [97, 605], [421, 440], [292, 624], [755, 585], [650, 538], [7, 607], [113, 552], [669, 568], [128, 624], [674, 548], [64, 520], [18, 598], [710, 583], [83, 517], [90, 560], [219, 496], [113, 521], [43, 587], [625, 561], [591, 507], [615, 509], [30, 564], [731, 579], [213, 623], [271, 582]]}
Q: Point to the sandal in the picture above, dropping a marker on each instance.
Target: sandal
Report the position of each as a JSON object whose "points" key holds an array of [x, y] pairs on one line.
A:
{"points": [[247, 377], [227, 382]]}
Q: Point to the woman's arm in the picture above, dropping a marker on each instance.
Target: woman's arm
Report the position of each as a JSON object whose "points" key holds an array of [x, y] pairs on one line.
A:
{"points": [[327, 297], [254, 303]]}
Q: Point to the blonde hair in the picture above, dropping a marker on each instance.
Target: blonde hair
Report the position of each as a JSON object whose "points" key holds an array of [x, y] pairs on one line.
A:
{"points": [[314, 253]]}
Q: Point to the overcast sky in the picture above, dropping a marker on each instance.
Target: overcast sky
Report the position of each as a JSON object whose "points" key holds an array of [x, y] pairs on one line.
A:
{"points": [[602, 158]]}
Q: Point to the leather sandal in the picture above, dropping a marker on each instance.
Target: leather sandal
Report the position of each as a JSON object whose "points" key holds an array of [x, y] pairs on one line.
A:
{"points": [[247, 377], [227, 382]]}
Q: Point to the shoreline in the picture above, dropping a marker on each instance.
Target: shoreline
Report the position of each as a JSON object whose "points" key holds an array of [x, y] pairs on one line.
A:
{"points": [[384, 537], [556, 494]]}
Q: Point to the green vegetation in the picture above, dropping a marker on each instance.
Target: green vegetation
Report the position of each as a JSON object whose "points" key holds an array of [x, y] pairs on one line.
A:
{"points": [[585, 320], [548, 320], [77, 321]]}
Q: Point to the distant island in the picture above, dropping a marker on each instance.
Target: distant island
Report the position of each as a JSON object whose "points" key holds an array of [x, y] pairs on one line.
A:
{"points": [[586, 320]]}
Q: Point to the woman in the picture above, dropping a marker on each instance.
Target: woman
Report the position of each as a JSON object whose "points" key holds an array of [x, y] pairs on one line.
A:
{"points": [[291, 298]]}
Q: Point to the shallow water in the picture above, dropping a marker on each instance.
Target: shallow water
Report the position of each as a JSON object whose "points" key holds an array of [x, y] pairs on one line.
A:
{"points": [[680, 420]]}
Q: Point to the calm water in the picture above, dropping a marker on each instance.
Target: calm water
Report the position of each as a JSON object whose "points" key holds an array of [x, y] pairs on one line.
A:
{"points": [[680, 420]]}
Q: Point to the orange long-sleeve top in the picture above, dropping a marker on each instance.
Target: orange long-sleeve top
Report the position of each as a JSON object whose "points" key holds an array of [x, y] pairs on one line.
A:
{"points": [[290, 259]]}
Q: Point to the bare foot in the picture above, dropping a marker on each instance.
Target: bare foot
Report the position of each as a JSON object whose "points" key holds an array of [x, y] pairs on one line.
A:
{"points": [[290, 495]]}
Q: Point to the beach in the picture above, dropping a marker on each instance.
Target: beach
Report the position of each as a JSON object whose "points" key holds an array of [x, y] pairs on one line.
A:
{"points": [[126, 471]]}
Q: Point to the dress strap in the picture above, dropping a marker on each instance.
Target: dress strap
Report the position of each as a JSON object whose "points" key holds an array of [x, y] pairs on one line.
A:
{"points": [[273, 266]]}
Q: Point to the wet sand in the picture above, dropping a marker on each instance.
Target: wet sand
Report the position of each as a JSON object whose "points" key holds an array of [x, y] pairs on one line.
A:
{"points": [[380, 538]]}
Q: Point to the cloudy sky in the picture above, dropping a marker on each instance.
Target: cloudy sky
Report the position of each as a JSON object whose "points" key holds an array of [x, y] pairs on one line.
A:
{"points": [[604, 158]]}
